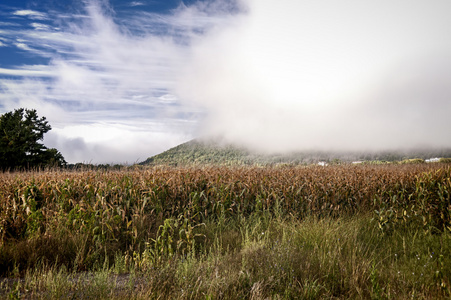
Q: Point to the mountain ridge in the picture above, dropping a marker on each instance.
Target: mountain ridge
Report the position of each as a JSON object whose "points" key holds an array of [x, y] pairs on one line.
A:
{"points": [[215, 152]]}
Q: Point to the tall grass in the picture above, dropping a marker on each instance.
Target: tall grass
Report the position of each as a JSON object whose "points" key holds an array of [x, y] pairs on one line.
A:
{"points": [[374, 231]]}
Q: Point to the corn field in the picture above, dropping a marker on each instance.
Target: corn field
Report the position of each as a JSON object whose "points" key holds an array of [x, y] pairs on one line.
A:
{"points": [[80, 219], [122, 210]]}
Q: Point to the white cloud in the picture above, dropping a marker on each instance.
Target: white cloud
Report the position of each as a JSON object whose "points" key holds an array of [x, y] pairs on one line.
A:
{"points": [[29, 72], [40, 26], [23, 46], [168, 98], [111, 143], [136, 3], [31, 14]]}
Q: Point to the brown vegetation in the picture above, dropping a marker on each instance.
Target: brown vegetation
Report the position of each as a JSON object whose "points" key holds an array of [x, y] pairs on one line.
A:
{"points": [[149, 219]]}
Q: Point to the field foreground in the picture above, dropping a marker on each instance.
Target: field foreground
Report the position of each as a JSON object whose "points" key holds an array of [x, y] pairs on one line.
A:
{"points": [[338, 232]]}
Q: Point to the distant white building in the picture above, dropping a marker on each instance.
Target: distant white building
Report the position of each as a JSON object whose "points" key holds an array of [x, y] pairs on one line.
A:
{"points": [[435, 159], [322, 163]]}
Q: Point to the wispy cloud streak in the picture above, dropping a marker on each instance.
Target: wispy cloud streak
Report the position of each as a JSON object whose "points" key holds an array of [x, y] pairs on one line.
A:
{"points": [[36, 15]]}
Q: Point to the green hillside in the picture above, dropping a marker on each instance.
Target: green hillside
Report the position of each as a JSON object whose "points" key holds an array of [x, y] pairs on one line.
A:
{"points": [[213, 152], [201, 152]]}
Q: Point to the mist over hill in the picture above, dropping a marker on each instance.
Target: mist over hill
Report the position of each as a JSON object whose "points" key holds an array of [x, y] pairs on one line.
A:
{"points": [[214, 151]]}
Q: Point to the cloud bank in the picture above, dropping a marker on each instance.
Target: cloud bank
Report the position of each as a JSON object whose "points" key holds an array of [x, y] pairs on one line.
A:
{"points": [[272, 76], [327, 75]]}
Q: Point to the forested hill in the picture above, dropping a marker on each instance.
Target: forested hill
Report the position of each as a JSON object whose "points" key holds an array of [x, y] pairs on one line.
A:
{"points": [[212, 152], [201, 152]]}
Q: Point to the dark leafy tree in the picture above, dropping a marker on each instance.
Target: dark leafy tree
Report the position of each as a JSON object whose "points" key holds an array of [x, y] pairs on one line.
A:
{"points": [[20, 134]]}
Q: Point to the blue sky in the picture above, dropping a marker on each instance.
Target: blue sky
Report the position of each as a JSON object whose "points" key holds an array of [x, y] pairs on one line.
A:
{"points": [[122, 80], [27, 14]]}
